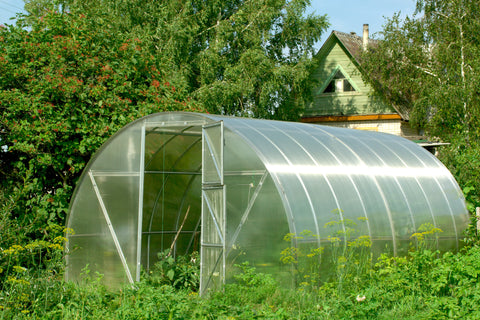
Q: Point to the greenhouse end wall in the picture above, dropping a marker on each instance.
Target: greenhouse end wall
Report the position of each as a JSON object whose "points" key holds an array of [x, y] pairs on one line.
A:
{"points": [[235, 188]]}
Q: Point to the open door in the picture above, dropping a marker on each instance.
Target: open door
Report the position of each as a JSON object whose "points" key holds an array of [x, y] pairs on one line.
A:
{"points": [[212, 252]]}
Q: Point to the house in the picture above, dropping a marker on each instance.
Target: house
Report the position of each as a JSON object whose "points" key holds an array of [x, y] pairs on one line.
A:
{"points": [[341, 98]]}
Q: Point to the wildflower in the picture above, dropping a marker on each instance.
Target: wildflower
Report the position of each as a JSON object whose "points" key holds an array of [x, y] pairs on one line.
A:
{"points": [[70, 230], [55, 246], [360, 298], [333, 239], [289, 236], [14, 280], [59, 239], [155, 83], [19, 269], [13, 249]]}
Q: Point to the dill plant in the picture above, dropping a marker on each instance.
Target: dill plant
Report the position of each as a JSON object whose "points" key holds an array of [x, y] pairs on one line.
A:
{"points": [[345, 255]]}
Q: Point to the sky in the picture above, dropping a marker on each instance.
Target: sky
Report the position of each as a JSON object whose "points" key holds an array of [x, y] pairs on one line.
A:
{"points": [[350, 15], [344, 15]]}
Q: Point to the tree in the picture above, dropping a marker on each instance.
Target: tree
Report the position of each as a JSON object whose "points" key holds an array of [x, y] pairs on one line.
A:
{"points": [[236, 57], [428, 66]]}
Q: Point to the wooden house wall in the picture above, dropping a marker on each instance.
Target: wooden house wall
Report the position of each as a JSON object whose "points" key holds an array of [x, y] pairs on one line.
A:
{"points": [[347, 103]]}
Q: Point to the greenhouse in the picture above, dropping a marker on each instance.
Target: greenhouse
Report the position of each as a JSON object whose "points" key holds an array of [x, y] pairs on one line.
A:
{"points": [[231, 188]]}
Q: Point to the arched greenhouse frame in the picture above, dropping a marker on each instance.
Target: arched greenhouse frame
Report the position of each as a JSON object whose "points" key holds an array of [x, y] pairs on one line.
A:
{"points": [[232, 188]]}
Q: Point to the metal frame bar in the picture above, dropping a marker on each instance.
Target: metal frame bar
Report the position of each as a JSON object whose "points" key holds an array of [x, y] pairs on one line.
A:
{"points": [[114, 173], [205, 279], [178, 123], [140, 204], [191, 173], [167, 232]]}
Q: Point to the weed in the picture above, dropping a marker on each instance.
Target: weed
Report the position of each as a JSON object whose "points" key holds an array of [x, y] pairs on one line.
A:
{"points": [[181, 272], [345, 257]]}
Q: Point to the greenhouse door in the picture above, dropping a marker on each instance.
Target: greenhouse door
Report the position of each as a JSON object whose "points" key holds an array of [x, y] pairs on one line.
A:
{"points": [[212, 252]]}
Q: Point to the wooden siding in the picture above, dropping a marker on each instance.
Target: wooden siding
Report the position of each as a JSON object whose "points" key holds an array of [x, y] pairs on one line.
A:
{"points": [[347, 103], [366, 117]]}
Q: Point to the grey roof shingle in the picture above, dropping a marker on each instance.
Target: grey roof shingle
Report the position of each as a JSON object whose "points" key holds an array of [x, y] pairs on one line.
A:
{"points": [[353, 43]]}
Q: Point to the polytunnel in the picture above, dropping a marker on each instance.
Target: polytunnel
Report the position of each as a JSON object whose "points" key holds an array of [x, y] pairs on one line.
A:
{"points": [[232, 188]]}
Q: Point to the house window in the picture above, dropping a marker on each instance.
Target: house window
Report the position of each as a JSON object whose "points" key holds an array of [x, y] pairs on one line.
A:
{"points": [[339, 83]]}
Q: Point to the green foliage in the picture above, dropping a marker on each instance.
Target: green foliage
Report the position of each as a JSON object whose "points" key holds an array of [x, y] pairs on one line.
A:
{"points": [[27, 270], [426, 66], [258, 285], [234, 57], [182, 272], [344, 258], [423, 285]]}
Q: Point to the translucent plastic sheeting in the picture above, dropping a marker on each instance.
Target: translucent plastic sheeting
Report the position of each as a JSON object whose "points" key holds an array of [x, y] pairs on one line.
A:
{"points": [[255, 181]]}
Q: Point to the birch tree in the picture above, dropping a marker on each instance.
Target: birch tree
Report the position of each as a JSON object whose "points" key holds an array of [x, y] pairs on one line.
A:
{"points": [[428, 66]]}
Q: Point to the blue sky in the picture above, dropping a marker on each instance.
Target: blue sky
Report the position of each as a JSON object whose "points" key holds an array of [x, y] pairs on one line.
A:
{"points": [[350, 15], [8, 8], [344, 15]]}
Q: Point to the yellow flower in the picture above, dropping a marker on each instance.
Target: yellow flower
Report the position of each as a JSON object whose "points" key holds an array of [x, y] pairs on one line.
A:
{"points": [[68, 231], [13, 249], [333, 239], [19, 269], [289, 236], [14, 280], [59, 239]]}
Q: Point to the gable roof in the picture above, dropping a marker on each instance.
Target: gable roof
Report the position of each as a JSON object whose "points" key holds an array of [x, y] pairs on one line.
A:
{"points": [[352, 45]]}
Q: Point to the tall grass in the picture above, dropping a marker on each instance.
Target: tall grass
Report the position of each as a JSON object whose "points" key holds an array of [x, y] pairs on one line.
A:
{"points": [[423, 285]]}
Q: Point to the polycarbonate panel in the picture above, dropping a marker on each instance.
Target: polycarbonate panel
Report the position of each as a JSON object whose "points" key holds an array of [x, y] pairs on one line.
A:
{"points": [[213, 235], [116, 192], [212, 148], [103, 260], [261, 236], [120, 197], [95, 251], [173, 148], [121, 154], [351, 164], [213, 223], [212, 273], [212, 268], [86, 202]]}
